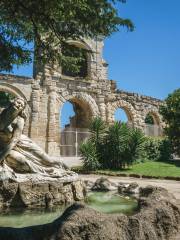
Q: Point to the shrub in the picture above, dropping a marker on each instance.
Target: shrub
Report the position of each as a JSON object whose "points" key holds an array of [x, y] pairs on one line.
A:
{"points": [[97, 129], [122, 146], [119, 146], [152, 150], [158, 149], [90, 156], [166, 150]]}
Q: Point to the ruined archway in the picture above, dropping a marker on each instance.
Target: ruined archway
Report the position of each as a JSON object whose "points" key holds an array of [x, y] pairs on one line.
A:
{"points": [[153, 117], [70, 137], [152, 122], [84, 105], [4, 87], [127, 107], [82, 114], [80, 50]]}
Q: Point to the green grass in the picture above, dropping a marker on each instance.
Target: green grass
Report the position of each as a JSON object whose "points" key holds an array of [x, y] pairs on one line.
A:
{"points": [[150, 168]]}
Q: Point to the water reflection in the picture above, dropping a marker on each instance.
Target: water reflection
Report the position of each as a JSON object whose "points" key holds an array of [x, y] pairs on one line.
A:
{"points": [[106, 202], [109, 202]]}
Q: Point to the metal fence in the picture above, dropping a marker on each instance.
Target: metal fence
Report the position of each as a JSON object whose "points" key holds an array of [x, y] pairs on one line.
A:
{"points": [[70, 141], [71, 138], [153, 130]]}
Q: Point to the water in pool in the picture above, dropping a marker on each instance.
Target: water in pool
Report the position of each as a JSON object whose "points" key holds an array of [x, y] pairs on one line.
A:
{"points": [[106, 202]]}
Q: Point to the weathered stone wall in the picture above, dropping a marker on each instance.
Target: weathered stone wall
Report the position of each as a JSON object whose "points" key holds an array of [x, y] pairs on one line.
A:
{"points": [[92, 96], [136, 107]]}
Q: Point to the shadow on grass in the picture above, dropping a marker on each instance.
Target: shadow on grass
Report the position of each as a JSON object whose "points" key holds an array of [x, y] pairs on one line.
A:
{"points": [[175, 162]]}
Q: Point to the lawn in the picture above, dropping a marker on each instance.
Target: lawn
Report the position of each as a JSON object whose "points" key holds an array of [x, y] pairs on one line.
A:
{"points": [[150, 168]]}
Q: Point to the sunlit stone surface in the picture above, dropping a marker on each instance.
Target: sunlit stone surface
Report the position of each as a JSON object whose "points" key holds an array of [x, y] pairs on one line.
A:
{"points": [[29, 176]]}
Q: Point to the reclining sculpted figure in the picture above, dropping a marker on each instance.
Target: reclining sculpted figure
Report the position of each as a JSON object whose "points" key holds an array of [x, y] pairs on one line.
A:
{"points": [[20, 157]]}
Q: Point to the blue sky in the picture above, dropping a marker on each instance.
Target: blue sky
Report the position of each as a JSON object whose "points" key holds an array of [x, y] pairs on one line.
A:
{"points": [[146, 61]]}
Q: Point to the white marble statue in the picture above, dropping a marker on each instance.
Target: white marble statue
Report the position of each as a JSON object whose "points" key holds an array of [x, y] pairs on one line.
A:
{"points": [[21, 159]]}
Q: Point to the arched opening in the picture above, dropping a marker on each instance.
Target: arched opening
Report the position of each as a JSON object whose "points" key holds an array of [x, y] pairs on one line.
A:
{"points": [[75, 113], [152, 125], [79, 57], [123, 116], [75, 117], [149, 119], [67, 113]]}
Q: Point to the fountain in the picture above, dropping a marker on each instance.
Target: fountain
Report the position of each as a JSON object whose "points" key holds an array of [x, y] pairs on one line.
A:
{"points": [[28, 176]]}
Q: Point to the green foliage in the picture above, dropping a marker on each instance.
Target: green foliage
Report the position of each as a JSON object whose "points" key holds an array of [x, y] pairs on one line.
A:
{"points": [[149, 119], [90, 156], [78, 58], [158, 149], [5, 99], [98, 130], [116, 146], [91, 150], [49, 24], [166, 150], [171, 115], [123, 146], [152, 148]]}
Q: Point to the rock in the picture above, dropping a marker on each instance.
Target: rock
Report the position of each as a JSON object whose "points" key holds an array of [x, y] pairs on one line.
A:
{"points": [[103, 184], [132, 188], [29, 194], [89, 184], [158, 218], [122, 187]]}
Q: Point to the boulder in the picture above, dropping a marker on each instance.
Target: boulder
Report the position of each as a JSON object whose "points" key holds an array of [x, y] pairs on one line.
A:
{"points": [[158, 218], [89, 184], [132, 188], [104, 184], [122, 187]]}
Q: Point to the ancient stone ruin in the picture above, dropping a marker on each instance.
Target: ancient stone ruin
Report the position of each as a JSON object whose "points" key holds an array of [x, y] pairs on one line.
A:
{"points": [[90, 92]]}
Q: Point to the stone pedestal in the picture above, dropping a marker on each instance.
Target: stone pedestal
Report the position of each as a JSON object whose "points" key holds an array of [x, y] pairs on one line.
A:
{"points": [[33, 195]]}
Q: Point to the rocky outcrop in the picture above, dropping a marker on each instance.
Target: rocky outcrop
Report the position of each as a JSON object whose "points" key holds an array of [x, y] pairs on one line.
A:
{"points": [[33, 195], [158, 218]]}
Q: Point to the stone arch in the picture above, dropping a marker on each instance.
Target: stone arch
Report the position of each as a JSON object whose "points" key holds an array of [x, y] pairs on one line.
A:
{"points": [[84, 45], [155, 115], [82, 100], [155, 129], [81, 44], [12, 89], [126, 106]]}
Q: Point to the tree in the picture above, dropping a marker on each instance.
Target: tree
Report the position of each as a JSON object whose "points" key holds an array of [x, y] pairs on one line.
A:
{"points": [[5, 99], [171, 115], [149, 119], [49, 24]]}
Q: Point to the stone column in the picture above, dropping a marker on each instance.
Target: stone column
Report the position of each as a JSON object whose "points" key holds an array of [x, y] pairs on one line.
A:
{"points": [[35, 97], [102, 107], [51, 133]]}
